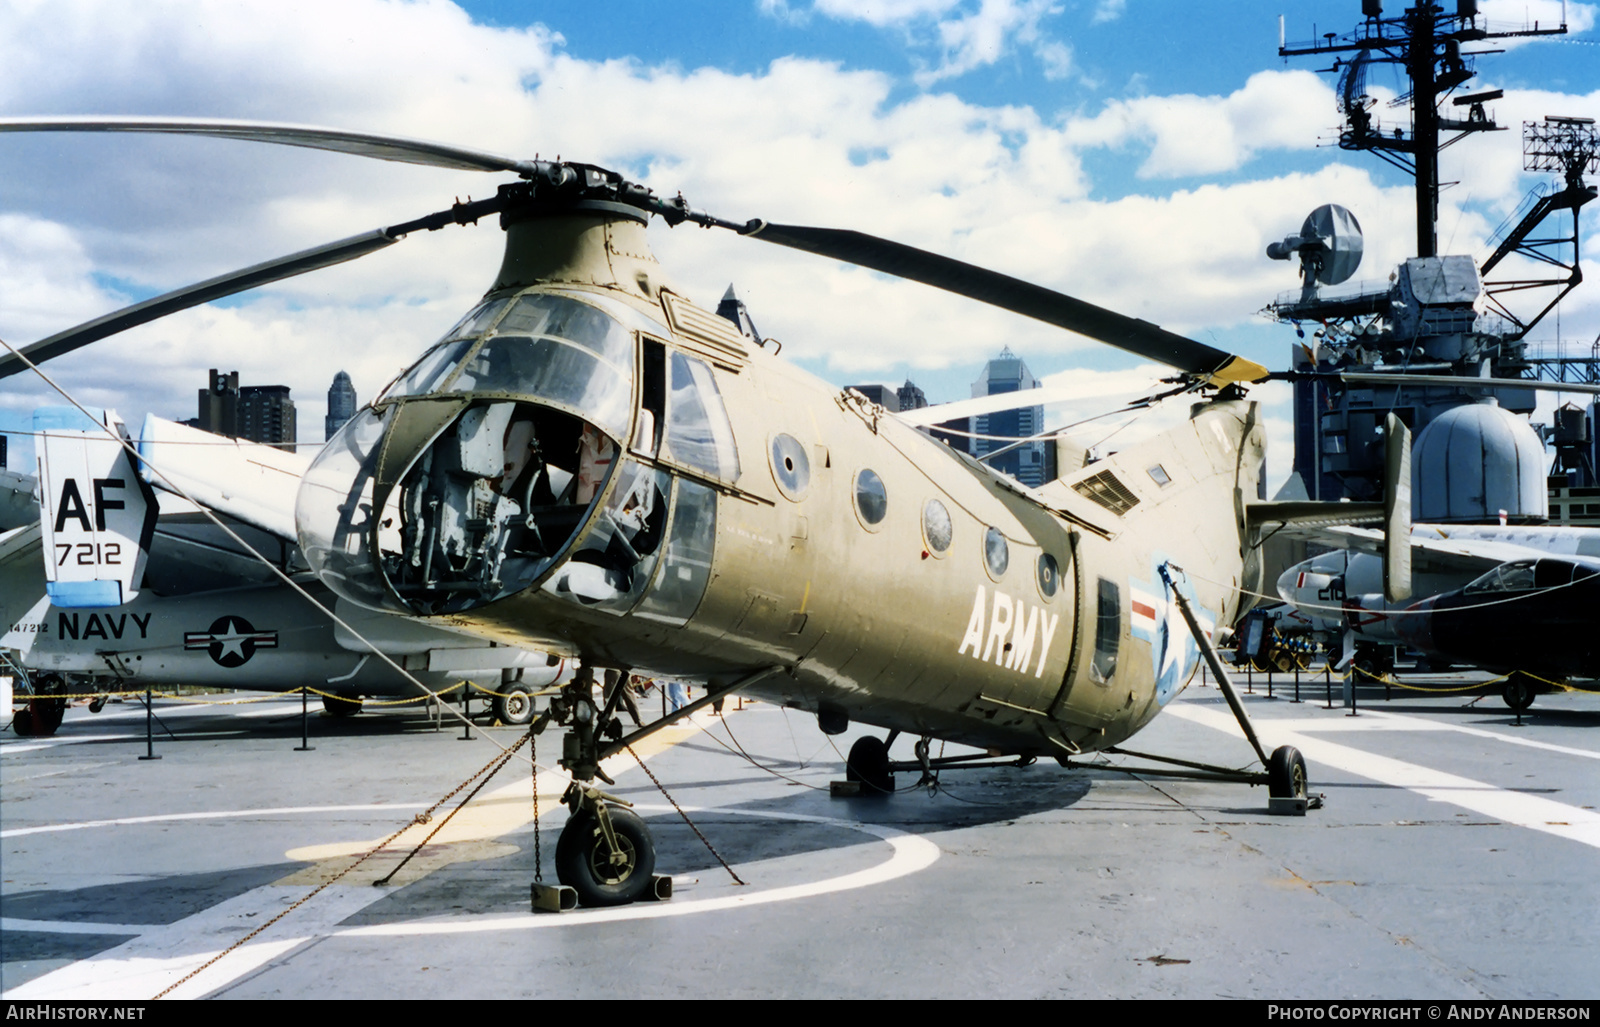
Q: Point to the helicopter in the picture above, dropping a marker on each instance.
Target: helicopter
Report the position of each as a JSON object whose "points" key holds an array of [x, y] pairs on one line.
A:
{"points": [[591, 465]]}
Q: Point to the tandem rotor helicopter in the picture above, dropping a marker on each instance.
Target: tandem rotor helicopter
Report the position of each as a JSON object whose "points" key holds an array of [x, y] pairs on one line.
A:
{"points": [[590, 464]]}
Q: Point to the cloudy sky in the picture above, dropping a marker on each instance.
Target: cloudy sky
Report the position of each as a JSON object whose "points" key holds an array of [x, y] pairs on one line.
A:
{"points": [[1136, 153]]}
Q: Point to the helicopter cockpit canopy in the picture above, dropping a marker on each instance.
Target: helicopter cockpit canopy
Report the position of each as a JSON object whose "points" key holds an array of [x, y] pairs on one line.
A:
{"points": [[488, 463], [569, 354]]}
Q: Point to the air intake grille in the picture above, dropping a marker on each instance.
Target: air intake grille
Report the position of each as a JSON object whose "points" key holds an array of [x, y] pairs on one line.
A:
{"points": [[1105, 489]]}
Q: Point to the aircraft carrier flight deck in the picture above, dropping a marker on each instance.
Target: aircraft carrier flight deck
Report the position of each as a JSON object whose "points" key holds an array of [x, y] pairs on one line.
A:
{"points": [[1454, 856]]}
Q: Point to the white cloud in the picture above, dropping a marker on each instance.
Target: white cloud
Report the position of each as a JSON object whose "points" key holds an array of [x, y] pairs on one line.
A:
{"points": [[45, 270], [883, 13], [1108, 10], [800, 141], [1200, 135], [983, 37], [1516, 15], [965, 34]]}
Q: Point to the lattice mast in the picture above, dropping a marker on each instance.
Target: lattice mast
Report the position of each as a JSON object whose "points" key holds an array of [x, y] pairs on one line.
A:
{"points": [[1431, 44]]}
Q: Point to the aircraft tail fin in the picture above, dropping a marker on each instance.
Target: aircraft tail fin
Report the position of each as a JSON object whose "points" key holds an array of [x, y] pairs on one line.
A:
{"points": [[96, 513]]}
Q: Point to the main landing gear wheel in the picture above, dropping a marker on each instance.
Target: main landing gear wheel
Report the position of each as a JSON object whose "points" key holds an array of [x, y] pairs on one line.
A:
{"points": [[1518, 692], [46, 709], [586, 863], [339, 706], [868, 763], [1286, 773], [514, 705]]}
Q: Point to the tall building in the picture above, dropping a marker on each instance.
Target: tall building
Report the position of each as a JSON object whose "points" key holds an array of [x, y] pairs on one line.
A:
{"points": [[906, 397], [259, 413], [1029, 464], [883, 395], [341, 404]]}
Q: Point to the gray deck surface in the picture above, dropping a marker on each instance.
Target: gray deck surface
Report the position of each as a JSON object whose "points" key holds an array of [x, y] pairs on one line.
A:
{"points": [[1457, 856]]}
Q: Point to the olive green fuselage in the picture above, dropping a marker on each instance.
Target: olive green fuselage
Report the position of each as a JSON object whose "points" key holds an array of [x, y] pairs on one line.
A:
{"points": [[881, 574]]}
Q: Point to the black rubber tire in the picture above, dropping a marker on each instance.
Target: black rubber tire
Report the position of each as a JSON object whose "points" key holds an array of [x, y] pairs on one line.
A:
{"points": [[868, 763], [1286, 773], [514, 705], [98, 703], [49, 705], [583, 859], [1518, 692], [22, 722], [340, 706]]}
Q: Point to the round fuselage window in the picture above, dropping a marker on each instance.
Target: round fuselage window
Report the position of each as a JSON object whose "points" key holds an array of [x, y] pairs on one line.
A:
{"points": [[996, 553], [791, 468], [936, 526], [872, 499]]}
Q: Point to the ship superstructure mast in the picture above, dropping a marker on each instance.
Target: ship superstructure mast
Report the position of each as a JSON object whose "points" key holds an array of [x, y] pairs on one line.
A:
{"points": [[1436, 314], [1436, 48]]}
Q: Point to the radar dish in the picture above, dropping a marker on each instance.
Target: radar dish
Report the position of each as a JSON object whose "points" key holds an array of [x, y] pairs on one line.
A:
{"points": [[1329, 245], [1340, 234]]}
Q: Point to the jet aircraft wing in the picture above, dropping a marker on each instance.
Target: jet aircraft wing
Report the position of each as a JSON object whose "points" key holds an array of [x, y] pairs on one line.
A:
{"points": [[1432, 550]]}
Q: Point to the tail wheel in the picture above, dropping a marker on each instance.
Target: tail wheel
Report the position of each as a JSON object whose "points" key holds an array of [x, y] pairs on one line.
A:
{"points": [[586, 863], [868, 763], [1286, 773]]}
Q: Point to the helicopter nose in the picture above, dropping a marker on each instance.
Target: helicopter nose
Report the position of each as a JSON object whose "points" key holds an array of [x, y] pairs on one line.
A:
{"points": [[440, 504], [333, 512]]}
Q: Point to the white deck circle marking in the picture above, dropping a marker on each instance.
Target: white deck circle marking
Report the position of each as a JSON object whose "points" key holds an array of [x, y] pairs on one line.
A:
{"points": [[910, 853], [17, 832]]}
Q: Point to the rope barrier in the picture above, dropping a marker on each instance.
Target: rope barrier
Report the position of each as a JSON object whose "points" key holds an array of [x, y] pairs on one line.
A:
{"points": [[269, 696], [1396, 683]]}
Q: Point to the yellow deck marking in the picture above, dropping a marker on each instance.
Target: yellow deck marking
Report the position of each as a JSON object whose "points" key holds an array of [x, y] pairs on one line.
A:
{"points": [[470, 834]]}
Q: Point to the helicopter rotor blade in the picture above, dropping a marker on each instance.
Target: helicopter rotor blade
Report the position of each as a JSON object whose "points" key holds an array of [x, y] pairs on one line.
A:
{"points": [[360, 144], [238, 281], [1213, 365]]}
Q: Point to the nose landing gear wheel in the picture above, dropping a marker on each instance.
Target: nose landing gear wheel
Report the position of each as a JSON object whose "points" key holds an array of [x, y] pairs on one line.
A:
{"points": [[514, 706], [48, 706], [586, 863]]}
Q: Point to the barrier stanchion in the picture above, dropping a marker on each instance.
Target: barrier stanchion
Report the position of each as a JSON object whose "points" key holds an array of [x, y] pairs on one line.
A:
{"points": [[149, 727], [305, 727]]}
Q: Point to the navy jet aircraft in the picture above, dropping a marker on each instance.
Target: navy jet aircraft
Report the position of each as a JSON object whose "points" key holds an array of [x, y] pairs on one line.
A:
{"points": [[1339, 595], [203, 609]]}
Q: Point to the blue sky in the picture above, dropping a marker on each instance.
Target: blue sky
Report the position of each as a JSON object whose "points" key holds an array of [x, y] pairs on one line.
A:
{"points": [[1138, 154]]}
